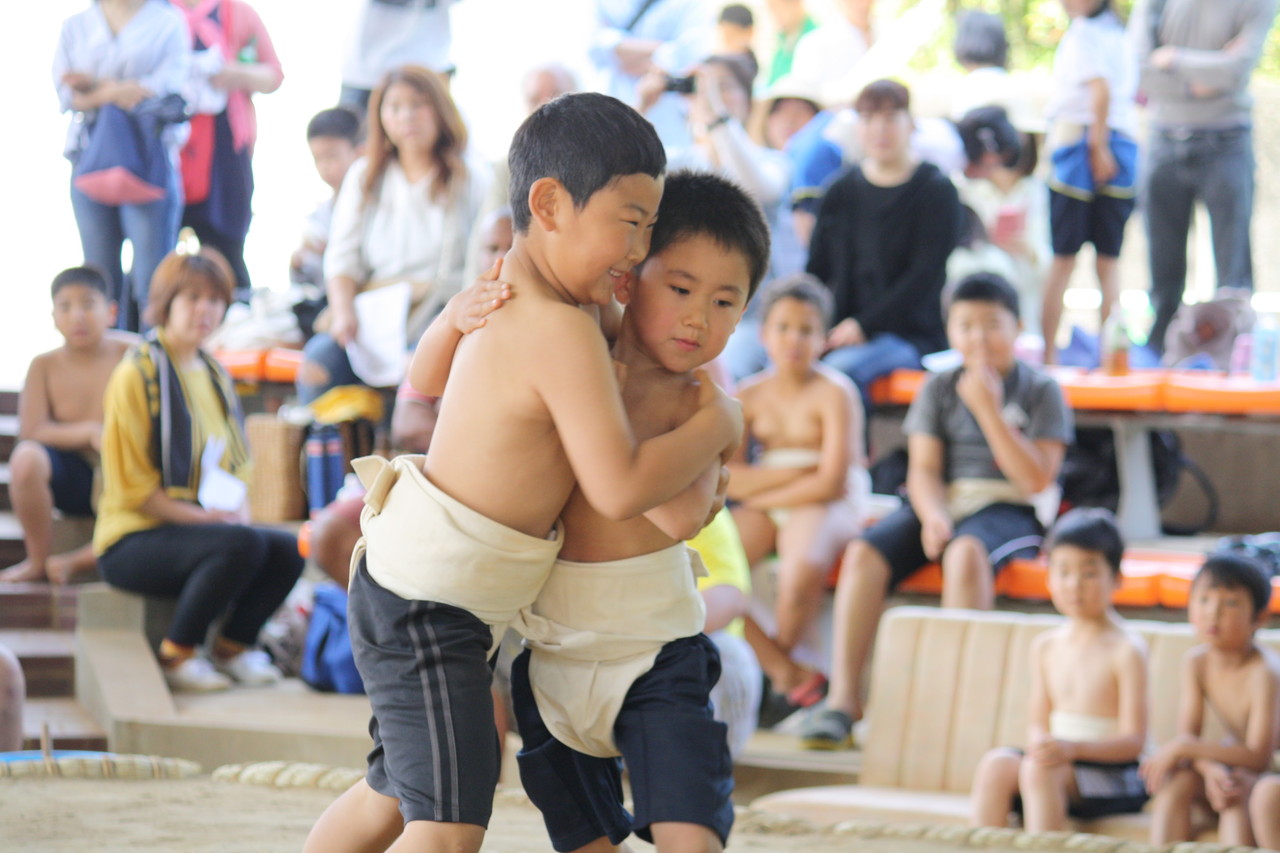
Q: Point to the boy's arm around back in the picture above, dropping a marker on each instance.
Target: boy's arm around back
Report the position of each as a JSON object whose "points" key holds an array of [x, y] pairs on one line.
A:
{"points": [[35, 414], [572, 373]]}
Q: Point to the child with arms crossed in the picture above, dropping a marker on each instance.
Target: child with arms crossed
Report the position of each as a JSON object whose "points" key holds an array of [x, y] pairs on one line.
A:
{"points": [[1088, 696], [806, 493]]}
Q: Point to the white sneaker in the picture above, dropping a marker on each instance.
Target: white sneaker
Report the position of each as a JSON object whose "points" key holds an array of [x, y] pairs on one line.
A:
{"points": [[195, 675], [252, 667]]}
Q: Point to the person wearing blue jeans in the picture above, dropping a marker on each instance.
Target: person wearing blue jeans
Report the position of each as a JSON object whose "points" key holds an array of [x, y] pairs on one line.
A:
{"points": [[1195, 60], [152, 232]]}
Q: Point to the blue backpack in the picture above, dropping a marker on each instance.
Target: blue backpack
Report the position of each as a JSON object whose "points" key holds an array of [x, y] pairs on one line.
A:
{"points": [[327, 661]]}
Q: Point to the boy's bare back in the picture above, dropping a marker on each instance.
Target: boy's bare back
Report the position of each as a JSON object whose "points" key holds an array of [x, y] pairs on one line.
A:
{"points": [[66, 387], [496, 447]]}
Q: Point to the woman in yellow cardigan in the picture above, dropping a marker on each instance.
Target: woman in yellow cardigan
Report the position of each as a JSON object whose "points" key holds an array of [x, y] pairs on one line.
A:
{"points": [[172, 518]]}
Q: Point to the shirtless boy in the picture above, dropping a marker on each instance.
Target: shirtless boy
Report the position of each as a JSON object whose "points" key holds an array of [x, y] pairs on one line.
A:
{"points": [[456, 547], [1088, 712], [601, 680], [60, 424], [1233, 678], [806, 493]]}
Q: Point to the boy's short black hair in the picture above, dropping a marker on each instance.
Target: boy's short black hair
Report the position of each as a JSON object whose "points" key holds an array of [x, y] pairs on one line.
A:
{"points": [[983, 287], [1236, 571], [801, 287], [1089, 529], [737, 14], [981, 40], [335, 123], [585, 141], [695, 203], [883, 96], [987, 130], [87, 275]]}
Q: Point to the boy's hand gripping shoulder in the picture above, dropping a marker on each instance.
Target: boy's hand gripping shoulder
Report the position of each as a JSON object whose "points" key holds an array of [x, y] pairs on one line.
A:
{"points": [[466, 311]]}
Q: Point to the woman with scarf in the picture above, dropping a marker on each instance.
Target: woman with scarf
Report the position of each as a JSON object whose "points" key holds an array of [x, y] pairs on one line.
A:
{"points": [[233, 58], [172, 518]]}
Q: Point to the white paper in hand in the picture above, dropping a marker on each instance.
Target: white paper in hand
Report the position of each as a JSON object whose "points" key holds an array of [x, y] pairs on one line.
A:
{"points": [[378, 354], [219, 490]]}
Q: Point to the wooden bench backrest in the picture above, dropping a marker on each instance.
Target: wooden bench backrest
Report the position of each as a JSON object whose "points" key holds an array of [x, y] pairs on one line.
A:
{"points": [[947, 685]]}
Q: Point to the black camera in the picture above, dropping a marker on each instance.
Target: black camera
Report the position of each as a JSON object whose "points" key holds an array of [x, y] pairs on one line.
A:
{"points": [[679, 85]]}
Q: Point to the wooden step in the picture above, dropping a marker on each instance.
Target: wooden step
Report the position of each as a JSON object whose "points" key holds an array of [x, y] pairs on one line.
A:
{"points": [[9, 401], [37, 605], [8, 435], [6, 502], [70, 725], [12, 550], [47, 658]]}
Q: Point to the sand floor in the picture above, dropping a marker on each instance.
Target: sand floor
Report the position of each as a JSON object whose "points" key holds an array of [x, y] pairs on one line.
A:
{"points": [[199, 815]]}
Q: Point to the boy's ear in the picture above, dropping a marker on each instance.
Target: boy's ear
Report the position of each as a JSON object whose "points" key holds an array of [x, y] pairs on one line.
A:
{"points": [[625, 289], [113, 311], [547, 197]]}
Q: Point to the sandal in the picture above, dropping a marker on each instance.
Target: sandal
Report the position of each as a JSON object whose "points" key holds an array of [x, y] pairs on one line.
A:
{"points": [[828, 729]]}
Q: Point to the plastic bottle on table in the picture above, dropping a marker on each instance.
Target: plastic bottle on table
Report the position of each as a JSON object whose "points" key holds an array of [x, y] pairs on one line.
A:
{"points": [[1115, 345], [1265, 349]]}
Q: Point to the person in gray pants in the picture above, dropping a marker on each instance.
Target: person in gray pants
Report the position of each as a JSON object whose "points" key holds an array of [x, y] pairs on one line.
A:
{"points": [[1195, 59]]}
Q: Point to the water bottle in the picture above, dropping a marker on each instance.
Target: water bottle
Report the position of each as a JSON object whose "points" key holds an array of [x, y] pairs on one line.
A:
{"points": [[1115, 345], [1265, 350]]}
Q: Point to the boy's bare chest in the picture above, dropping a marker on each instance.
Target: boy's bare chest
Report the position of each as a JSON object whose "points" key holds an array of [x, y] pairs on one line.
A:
{"points": [[75, 389], [657, 408], [1081, 677], [1228, 694], [790, 420]]}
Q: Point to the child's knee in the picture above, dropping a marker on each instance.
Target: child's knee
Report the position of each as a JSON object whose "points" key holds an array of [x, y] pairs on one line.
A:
{"points": [[999, 766], [965, 560], [29, 463], [863, 561], [1033, 776]]}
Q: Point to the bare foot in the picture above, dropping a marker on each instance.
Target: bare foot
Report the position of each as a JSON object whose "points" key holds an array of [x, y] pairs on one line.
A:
{"points": [[23, 572], [61, 568]]}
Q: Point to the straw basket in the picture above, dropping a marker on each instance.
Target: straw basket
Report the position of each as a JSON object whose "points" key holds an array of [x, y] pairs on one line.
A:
{"points": [[276, 491]]}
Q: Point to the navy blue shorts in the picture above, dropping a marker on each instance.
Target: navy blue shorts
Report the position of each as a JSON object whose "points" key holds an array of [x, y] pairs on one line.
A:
{"points": [[676, 754], [426, 669], [1104, 789], [1009, 531], [71, 481], [1074, 222]]}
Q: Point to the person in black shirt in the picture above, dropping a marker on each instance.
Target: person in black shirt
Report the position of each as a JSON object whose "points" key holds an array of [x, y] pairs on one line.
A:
{"points": [[881, 241]]}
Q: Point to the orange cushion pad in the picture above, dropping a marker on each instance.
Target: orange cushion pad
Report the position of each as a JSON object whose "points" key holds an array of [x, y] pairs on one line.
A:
{"points": [[1140, 391], [281, 365], [1199, 391], [245, 365]]}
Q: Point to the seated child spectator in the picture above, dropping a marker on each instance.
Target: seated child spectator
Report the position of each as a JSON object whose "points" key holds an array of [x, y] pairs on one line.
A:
{"points": [[982, 440], [1091, 141], [805, 494], [13, 694], [1233, 678], [333, 135], [60, 424], [597, 681], [1088, 709], [458, 544]]}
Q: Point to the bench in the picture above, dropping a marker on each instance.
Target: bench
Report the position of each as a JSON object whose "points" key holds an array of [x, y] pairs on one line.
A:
{"points": [[268, 374], [946, 686]]}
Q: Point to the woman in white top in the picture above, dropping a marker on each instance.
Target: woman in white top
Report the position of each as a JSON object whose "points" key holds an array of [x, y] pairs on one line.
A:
{"points": [[123, 52], [404, 214]]}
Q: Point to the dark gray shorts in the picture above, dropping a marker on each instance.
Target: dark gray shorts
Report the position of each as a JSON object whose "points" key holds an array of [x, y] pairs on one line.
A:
{"points": [[426, 669]]}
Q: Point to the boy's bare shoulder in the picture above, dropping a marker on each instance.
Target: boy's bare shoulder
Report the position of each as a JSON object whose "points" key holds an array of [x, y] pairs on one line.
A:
{"points": [[837, 381], [1267, 665], [1130, 647]]}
